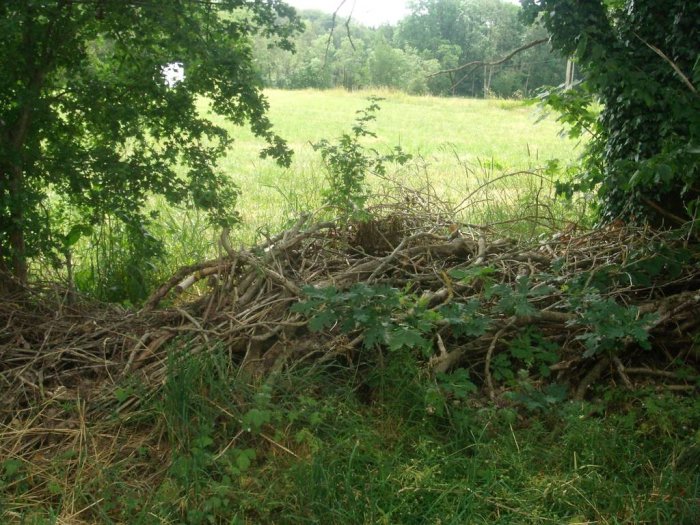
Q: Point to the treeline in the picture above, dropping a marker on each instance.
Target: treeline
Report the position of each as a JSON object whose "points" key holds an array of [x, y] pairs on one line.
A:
{"points": [[437, 35]]}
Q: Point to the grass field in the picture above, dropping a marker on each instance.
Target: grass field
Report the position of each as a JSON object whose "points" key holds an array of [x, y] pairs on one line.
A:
{"points": [[336, 445], [456, 143]]}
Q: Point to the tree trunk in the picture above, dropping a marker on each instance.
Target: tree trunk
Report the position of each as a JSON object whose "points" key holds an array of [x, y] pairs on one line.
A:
{"points": [[527, 81], [569, 80], [19, 252], [13, 254]]}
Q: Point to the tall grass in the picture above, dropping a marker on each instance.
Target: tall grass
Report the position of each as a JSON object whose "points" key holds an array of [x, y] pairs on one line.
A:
{"points": [[457, 144]]}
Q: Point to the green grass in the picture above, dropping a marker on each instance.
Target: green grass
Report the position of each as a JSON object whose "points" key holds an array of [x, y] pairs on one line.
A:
{"points": [[457, 143], [342, 445], [459, 146]]}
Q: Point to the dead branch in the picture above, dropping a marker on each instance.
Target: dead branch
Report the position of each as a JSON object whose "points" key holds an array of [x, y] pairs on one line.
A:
{"points": [[671, 63], [479, 63], [332, 30]]}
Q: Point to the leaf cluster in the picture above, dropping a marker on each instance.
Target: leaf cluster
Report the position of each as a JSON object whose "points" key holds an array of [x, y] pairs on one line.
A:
{"points": [[89, 122], [348, 162], [640, 61], [387, 316]]}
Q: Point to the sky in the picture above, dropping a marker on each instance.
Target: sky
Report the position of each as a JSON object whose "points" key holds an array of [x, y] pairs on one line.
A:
{"points": [[369, 12]]}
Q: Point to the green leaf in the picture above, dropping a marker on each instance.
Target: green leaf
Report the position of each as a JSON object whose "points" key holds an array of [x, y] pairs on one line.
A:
{"points": [[405, 337], [244, 459], [255, 418], [122, 394], [74, 235], [470, 275], [11, 467], [457, 383], [322, 320]]}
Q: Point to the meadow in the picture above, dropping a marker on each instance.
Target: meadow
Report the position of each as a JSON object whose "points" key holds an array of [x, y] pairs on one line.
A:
{"points": [[457, 144]]}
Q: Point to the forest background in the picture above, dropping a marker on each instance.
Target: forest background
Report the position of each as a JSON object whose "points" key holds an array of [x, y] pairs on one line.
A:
{"points": [[437, 35]]}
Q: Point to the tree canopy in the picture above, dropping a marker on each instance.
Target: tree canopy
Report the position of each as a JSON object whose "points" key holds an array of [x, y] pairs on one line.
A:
{"points": [[436, 35], [641, 60], [88, 124]]}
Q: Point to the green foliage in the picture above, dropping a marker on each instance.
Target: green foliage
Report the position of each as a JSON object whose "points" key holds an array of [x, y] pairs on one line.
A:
{"points": [[539, 400], [397, 320], [517, 300], [90, 120], [465, 319], [212, 436], [348, 162], [529, 350], [410, 449], [122, 261], [457, 32], [436, 35], [644, 267], [612, 326], [384, 314], [389, 317], [476, 275], [640, 61], [457, 384]]}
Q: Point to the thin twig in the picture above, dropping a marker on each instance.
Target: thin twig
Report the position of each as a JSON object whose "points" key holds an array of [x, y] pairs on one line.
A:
{"points": [[489, 355]]}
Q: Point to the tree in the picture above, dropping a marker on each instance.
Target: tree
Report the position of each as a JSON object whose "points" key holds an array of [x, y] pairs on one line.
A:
{"points": [[87, 119], [477, 31], [640, 59]]}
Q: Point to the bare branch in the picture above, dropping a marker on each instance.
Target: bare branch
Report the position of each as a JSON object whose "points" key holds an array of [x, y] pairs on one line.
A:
{"points": [[675, 67], [347, 28], [478, 63]]}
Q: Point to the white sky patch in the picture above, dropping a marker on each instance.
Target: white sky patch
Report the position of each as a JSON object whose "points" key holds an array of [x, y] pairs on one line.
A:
{"points": [[173, 73], [369, 12]]}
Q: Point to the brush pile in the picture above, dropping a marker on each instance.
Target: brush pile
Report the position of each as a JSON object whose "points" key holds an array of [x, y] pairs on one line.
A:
{"points": [[617, 304]]}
